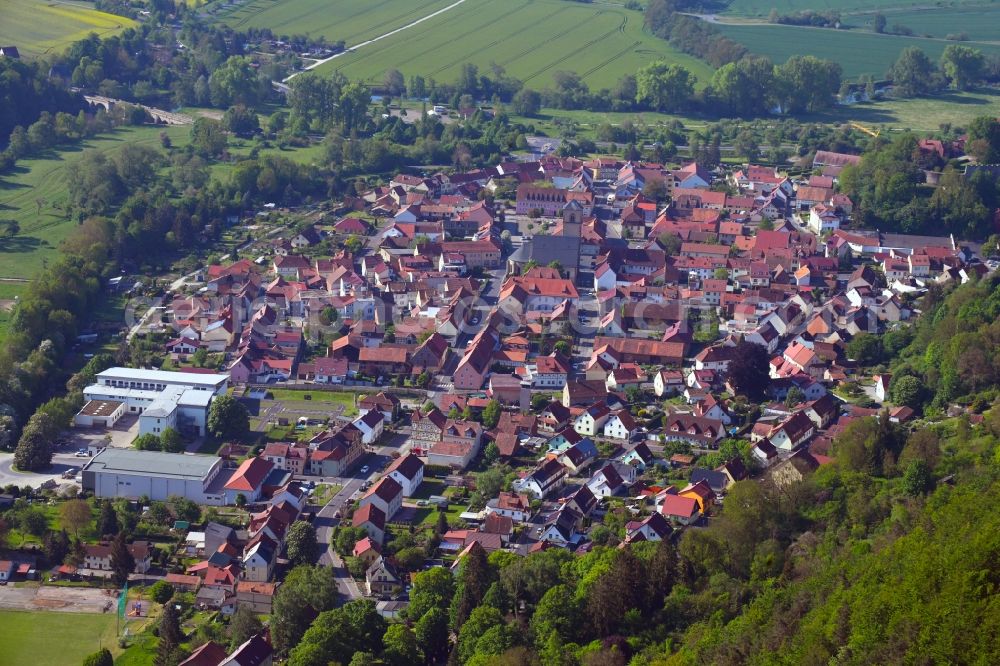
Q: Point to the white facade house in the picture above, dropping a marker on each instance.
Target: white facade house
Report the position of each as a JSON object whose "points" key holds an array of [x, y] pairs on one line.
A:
{"points": [[371, 425], [177, 400], [133, 474]]}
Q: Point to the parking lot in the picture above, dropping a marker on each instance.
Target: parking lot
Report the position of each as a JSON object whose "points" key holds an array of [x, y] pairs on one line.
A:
{"points": [[120, 437]]}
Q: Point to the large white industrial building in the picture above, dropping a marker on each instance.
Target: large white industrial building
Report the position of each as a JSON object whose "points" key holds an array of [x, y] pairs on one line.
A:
{"points": [[162, 399], [133, 474]]}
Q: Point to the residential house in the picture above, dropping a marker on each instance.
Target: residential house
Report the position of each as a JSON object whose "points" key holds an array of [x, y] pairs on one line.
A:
{"points": [[620, 425], [371, 425], [408, 472], [426, 429], [515, 506], [701, 493], [579, 456], [98, 556], [292, 458], [248, 480], [608, 482], [548, 372], [385, 403], [257, 596], [668, 382], [256, 651], [459, 445], [550, 476], [591, 421], [639, 457], [882, 387], [367, 550], [793, 469], [387, 495], [335, 453], [652, 528], [371, 519], [792, 432], [381, 578], [677, 509]]}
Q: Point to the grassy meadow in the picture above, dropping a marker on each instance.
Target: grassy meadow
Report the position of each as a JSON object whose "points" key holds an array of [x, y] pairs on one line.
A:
{"points": [[858, 52], [38, 27], [36, 193], [924, 114], [530, 39], [50, 638]]}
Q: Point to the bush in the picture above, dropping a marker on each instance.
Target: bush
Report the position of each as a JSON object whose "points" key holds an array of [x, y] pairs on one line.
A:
{"points": [[161, 592]]}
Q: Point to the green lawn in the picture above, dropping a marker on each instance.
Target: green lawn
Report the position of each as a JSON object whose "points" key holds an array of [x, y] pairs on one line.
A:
{"points": [[49, 638], [39, 27], [36, 194], [858, 51], [530, 39], [324, 493]]}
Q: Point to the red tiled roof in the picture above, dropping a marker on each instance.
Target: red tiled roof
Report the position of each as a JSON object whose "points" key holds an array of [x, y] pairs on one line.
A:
{"points": [[250, 475]]}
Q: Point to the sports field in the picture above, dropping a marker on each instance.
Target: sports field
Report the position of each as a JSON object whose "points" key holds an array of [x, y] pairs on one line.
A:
{"points": [[530, 39], [858, 52], [50, 638], [37, 27]]}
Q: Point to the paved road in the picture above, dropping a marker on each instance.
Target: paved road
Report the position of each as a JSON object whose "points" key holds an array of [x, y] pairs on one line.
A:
{"points": [[60, 463], [325, 522]]}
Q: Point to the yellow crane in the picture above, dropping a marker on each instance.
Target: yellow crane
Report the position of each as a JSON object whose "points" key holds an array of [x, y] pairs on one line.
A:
{"points": [[867, 130]]}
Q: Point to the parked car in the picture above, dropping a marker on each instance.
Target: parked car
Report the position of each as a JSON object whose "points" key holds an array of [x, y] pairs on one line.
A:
{"points": [[82, 453], [364, 470]]}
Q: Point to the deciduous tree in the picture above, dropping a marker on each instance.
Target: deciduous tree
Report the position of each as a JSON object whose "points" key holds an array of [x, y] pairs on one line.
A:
{"points": [[228, 418], [301, 543], [664, 87], [75, 515]]}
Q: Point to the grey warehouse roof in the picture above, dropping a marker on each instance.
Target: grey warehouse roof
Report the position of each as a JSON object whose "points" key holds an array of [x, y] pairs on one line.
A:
{"points": [[152, 463]]}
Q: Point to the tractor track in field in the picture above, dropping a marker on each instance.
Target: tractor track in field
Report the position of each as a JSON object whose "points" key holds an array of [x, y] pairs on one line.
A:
{"points": [[417, 33], [575, 51], [553, 38], [610, 60], [352, 49], [483, 47]]}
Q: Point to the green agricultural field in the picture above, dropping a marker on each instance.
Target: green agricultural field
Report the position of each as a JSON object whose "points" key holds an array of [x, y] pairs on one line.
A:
{"points": [[348, 20], [50, 638], [858, 52], [978, 23], [530, 39], [38, 27], [763, 7], [36, 193]]}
